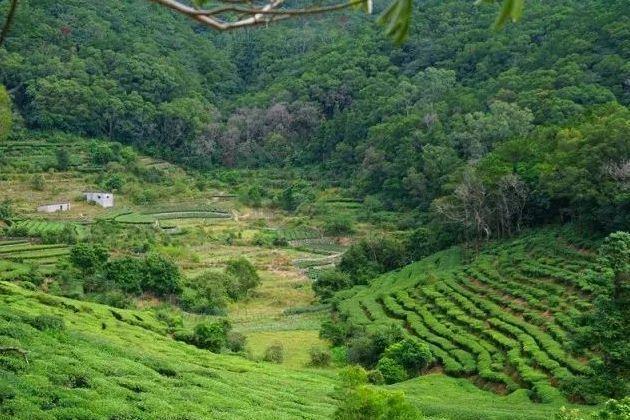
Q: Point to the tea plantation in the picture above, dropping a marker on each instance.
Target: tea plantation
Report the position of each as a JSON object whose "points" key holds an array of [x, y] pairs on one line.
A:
{"points": [[502, 320]]}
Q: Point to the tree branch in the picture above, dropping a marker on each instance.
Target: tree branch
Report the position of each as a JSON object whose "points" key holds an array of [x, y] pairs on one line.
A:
{"points": [[259, 15]]}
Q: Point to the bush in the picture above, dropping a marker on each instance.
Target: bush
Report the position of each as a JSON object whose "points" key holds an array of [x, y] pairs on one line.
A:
{"points": [[88, 258], [207, 293], [371, 257], [127, 273], [48, 323], [210, 335], [161, 275], [339, 226], [366, 348], [376, 377], [320, 356], [367, 403], [245, 274], [330, 281], [391, 370], [274, 353], [411, 354], [236, 341]]}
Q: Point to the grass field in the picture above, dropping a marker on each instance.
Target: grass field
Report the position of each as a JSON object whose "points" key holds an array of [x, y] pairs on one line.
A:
{"points": [[502, 320]]}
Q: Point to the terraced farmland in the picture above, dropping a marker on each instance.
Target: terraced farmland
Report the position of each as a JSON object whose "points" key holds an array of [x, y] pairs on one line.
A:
{"points": [[502, 320], [152, 217], [42, 227], [21, 258]]}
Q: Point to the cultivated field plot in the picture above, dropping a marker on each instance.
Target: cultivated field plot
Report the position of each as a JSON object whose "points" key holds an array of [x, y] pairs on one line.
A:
{"points": [[153, 216], [42, 227], [502, 320], [21, 258]]}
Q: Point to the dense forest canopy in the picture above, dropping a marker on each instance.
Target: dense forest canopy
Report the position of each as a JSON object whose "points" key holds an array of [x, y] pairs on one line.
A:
{"points": [[455, 117]]}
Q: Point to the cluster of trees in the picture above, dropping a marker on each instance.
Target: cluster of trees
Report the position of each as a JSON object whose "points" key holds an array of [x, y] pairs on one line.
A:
{"points": [[210, 292], [108, 278]]}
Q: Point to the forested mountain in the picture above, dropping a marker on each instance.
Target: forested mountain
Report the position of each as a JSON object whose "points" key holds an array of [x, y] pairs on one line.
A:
{"points": [[455, 117]]}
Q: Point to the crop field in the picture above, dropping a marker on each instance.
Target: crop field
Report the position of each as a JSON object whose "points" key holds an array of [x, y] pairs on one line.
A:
{"points": [[102, 366], [501, 321], [19, 259], [41, 227], [147, 218]]}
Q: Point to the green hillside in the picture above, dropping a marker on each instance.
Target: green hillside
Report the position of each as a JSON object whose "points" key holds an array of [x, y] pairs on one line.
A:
{"points": [[503, 320], [113, 363]]}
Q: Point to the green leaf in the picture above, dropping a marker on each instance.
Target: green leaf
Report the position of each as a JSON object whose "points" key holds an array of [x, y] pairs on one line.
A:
{"points": [[397, 20], [512, 9]]}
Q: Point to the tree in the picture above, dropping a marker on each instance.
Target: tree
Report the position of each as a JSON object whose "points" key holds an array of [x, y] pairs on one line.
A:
{"points": [[245, 274], [358, 401], [606, 329], [63, 159], [88, 258], [411, 354], [6, 119], [161, 275]]}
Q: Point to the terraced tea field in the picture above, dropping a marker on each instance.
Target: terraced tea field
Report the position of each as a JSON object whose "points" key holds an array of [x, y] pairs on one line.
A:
{"points": [[43, 227], [20, 258], [502, 321]]}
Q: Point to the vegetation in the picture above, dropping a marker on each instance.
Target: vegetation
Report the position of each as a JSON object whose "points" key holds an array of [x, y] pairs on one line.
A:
{"points": [[315, 220]]}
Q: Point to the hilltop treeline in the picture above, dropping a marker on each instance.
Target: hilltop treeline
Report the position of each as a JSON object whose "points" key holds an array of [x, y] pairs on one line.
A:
{"points": [[482, 131]]}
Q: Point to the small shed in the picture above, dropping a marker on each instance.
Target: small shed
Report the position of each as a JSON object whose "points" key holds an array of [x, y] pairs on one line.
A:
{"points": [[103, 199], [52, 208]]}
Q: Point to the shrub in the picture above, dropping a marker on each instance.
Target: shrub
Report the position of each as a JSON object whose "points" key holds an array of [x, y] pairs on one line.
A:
{"points": [[335, 331], [274, 353], [88, 258], [211, 335], [370, 257], [207, 293], [236, 341], [320, 356], [245, 274], [48, 323], [376, 377], [330, 281], [411, 354], [369, 403], [339, 226], [161, 275], [126, 273], [391, 370], [63, 159]]}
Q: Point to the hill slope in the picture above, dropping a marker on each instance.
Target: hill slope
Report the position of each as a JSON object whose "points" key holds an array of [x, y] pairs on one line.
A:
{"points": [[502, 320], [110, 363]]}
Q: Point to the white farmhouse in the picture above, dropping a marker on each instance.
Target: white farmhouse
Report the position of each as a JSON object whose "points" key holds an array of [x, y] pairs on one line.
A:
{"points": [[51, 208], [103, 199]]}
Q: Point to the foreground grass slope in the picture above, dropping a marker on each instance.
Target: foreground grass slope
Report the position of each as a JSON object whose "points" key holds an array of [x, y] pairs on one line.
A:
{"points": [[502, 318], [118, 364]]}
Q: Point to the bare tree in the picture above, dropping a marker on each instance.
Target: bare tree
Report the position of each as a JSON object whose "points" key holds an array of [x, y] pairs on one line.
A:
{"points": [[619, 171], [510, 202], [468, 206]]}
